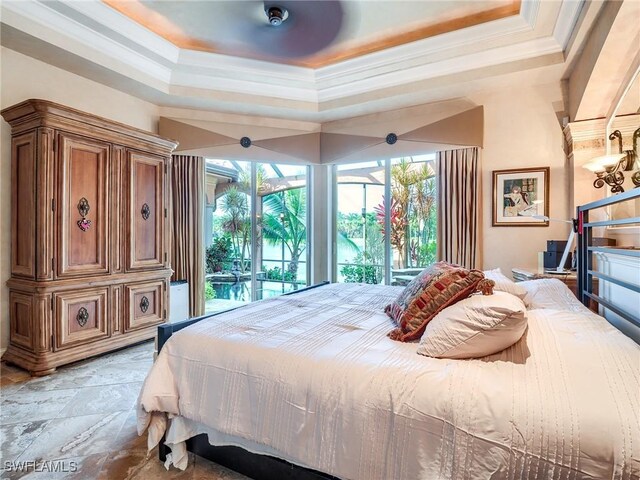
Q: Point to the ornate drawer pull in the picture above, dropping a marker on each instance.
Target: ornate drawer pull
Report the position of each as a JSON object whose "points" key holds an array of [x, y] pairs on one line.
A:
{"points": [[82, 317], [83, 209], [144, 304], [146, 211]]}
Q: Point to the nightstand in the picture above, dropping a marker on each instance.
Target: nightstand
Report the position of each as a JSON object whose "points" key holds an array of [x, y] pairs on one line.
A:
{"points": [[569, 278]]}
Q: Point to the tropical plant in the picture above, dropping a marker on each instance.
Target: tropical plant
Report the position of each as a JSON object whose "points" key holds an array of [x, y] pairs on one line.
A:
{"points": [[237, 223], [373, 240], [412, 213], [423, 255], [209, 292], [275, 273], [284, 221], [361, 272], [398, 223], [350, 224], [217, 253], [422, 212]]}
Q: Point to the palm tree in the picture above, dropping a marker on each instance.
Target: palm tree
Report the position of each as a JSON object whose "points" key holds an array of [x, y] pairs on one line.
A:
{"points": [[237, 222], [284, 221]]}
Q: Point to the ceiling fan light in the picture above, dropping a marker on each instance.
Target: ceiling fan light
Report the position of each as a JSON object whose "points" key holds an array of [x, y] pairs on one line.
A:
{"points": [[277, 15]]}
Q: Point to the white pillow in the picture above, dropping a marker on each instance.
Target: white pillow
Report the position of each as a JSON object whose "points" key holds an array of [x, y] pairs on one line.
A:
{"points": [[505, 284], [477, 326], [551, 293]]}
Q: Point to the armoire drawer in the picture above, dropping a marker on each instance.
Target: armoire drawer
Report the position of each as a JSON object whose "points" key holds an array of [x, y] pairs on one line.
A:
{"points": [[144, 304], [81, 317]]}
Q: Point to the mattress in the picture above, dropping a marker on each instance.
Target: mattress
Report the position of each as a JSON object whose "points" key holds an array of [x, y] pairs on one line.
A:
{"points": [[312, 378]]}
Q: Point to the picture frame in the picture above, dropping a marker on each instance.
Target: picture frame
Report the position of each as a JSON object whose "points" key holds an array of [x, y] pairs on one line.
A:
{"points": [[518, 195]]}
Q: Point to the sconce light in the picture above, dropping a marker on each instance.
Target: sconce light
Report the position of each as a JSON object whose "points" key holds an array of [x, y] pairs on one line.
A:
{"points": [[609, 168]]}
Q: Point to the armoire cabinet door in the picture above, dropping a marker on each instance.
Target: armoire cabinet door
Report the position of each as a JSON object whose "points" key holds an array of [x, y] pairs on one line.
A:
{"points": [[83, 206], [23, 198], [144, 304], [81, 316], [146, 210]]}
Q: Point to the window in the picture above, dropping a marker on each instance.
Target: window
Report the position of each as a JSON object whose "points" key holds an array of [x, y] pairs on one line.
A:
{"points": [[359, 231], [413, 212], [228, 234], [282, 214], [255, 231], [363, 216]]}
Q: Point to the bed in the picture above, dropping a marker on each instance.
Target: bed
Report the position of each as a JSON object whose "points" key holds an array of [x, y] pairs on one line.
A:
{"points": [[311, 382]]}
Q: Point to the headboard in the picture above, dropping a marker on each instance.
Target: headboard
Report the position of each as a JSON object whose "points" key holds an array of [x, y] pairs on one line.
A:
{"points": [[626, 319]]}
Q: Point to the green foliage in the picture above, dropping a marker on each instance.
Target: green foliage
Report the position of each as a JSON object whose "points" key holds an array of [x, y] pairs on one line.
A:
{"points": [[217, 253], [424, 255], [275, 273], [349, 224], [209, 292], [373, 241], [413, 223], [413, 191], [361, 271], [237, 223], [284, 221]]}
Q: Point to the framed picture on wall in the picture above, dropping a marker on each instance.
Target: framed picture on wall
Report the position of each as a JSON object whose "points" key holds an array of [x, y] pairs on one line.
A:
{"points": [[519, 195]]}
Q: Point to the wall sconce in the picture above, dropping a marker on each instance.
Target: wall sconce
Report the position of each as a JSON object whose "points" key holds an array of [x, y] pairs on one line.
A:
{"points": [[609, 168]]}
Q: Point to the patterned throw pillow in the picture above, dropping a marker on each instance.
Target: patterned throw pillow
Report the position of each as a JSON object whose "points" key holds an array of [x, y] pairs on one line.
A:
{"points": [[437, 287]]}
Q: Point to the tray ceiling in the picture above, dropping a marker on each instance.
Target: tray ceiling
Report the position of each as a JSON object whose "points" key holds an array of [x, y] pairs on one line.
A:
{"points": [[364, 26], [387, 55]]}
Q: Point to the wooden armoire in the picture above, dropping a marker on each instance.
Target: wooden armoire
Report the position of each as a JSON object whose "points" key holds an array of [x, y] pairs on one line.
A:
{"points": [[89, 245]]}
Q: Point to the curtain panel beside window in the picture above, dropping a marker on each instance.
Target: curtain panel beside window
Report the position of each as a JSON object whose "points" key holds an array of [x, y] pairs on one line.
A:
{"points": [[458, 206], [187, 229]]}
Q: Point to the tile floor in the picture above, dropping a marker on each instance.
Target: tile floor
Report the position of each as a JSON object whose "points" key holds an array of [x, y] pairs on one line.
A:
{"points": [[83, 417]]}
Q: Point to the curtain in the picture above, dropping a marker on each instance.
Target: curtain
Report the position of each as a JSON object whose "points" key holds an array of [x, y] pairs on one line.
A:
{"points": [[187, 229], [458, 206]]}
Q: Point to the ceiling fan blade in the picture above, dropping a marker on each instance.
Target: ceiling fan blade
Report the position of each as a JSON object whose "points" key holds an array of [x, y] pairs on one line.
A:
{"points": [[311, 27]]}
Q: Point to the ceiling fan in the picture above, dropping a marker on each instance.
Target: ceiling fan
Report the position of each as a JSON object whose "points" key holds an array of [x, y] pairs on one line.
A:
{"points": [[290, 29]]}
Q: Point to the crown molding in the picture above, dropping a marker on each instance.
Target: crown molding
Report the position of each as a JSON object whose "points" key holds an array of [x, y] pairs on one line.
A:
{"points": [[110, 18], [40, 21], [595, 129], [423, 50], [113, 41], [567, 20], [464, 63], [529, 10]]}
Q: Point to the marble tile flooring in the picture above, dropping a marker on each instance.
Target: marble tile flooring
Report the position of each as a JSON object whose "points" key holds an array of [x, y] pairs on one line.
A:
{"points": [[80, 422]]}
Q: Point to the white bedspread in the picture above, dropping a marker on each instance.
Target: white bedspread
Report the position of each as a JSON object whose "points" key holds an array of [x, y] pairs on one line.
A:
{"points": [[312, 378]]}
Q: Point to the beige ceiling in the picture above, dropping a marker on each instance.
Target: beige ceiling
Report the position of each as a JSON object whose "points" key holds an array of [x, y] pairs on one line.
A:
{"points": [[387, 55], [365, 26]]}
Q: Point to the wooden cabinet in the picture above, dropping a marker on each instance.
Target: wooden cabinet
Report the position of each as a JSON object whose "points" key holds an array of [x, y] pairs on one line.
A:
{"points": [[83, 206], [146, 211], [89, 267], [23, 232], [80, 317], [144, 304]]}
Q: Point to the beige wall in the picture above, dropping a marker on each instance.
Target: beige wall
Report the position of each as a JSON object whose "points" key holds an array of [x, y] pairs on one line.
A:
{"points": [[522, 130], [23, 77], [520, 124]]}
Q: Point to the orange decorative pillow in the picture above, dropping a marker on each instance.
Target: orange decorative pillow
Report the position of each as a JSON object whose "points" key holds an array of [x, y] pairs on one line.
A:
{"points": [[434, 289]]}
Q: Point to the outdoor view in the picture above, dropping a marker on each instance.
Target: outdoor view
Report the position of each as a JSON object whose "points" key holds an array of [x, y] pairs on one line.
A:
{"points": [[361, 219], [281, 226], [280, 236]]}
